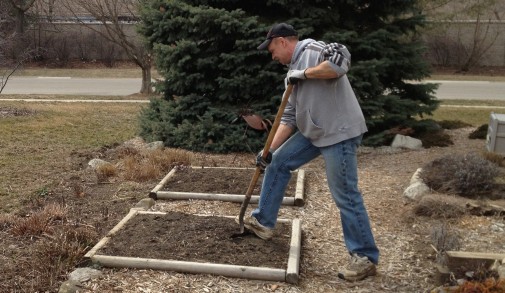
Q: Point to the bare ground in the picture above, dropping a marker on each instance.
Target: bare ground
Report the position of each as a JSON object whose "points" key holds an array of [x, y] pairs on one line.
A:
{"points": [[407, 258]]}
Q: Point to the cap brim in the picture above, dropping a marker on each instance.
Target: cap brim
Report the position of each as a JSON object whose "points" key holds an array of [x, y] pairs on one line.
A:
{"points": [[265, 44]]}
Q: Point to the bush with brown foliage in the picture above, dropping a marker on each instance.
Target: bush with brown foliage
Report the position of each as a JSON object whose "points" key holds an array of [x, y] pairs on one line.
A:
{"points": [[479, 133], [468, 175], [435, 138]]}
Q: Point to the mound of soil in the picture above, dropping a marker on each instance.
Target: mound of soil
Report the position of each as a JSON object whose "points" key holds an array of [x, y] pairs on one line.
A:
{"points": [[191, 238]]}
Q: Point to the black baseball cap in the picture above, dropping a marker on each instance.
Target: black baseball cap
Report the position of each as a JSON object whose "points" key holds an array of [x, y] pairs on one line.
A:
{"points": [[278, 30]]}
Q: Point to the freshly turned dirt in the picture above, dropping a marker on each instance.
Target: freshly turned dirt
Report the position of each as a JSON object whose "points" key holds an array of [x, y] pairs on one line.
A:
{"points": [[219, 181], [191, 238]]}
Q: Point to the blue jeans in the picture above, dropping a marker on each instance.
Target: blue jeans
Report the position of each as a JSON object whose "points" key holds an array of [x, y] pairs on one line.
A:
{"points": [[342, 174]]}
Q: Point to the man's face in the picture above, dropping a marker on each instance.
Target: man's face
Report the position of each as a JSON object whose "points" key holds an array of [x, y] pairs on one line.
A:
{"points": [[278, 47]]}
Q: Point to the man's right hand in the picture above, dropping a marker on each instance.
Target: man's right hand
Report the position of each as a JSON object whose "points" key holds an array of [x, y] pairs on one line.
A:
{"points": [[294, 76], [263, 162]]}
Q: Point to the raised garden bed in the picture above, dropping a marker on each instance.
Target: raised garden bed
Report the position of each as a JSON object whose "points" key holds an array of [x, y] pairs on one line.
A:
{"points": [[200, 244], [225, 184]]}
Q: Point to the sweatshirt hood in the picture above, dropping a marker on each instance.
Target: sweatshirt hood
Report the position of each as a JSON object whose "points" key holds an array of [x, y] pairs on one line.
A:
{"points": [[300, 46]]}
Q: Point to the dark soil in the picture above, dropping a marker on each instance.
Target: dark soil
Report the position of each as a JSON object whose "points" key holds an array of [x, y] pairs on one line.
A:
{"points": [[191, 238], [219, 181]]}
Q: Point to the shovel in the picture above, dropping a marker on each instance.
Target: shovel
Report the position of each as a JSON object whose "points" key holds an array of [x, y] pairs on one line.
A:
{"points": [[257, 173]]}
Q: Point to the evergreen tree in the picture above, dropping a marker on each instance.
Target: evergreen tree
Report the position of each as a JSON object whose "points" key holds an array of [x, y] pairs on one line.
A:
{"points": [[206, 50], [213, 73]]}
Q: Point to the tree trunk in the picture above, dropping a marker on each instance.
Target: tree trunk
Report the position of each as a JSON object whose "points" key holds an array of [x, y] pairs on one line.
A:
{"points": [[20, 10], [146, 87], [20, 21]]}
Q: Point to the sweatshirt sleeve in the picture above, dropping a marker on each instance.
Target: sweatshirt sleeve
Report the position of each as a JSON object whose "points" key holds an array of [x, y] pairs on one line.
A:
{"points": [[339, 57]]}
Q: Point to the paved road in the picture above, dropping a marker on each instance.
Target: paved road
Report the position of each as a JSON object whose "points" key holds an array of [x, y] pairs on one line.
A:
{"points": [[73, 86], [468, 90]]}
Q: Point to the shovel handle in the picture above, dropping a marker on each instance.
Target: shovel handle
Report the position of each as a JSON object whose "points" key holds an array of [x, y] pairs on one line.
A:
{"points": [[266, 149]]}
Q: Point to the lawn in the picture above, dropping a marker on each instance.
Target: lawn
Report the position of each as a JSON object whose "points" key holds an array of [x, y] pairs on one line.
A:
{"points": [[36, 147]]}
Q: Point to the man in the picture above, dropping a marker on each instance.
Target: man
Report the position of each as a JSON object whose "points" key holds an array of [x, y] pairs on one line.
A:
{"points": [[329, 122]]}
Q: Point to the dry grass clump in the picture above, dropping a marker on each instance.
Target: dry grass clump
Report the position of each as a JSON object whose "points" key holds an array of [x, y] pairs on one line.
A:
{"points": [[105, 171], [468, 175], [152, 164], [439, 207], [495, 158], [444, 239], [58, 246], [57, 254], [38, 223], [6, 221]]}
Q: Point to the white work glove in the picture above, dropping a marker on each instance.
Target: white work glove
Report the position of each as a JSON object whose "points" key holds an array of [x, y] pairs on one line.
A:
{"points": [[294, 76]]}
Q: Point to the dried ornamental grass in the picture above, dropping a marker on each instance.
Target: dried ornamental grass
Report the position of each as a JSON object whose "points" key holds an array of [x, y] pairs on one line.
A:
{"points": [[152, 164], [104, 171], [39, 223], [444, 239], [437, 206], [495, 158]]}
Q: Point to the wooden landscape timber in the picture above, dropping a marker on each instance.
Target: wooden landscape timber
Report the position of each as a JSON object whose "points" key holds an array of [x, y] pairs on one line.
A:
{"points": [[289, 275], [461, 262], [485, 209], [158, 194]]}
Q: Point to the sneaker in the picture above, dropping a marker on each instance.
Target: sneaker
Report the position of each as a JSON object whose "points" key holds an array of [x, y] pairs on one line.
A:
{"points": [[251, 223], [359, 268]]}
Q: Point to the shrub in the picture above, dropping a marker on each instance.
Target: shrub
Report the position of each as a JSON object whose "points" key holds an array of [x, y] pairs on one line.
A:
{"points": [[479, 133], [467, 175], [436, 138]]}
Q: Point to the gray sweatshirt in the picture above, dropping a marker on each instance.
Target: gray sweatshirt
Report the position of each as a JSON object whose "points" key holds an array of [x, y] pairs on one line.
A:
{"points": [[325, 111]]}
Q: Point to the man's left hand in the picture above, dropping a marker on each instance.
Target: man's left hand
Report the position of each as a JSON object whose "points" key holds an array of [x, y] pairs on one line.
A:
{"points": [[294, 76]]}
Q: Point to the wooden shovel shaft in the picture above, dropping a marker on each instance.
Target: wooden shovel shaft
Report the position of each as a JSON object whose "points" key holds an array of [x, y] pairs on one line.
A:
{"points": [[266, 149]]}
